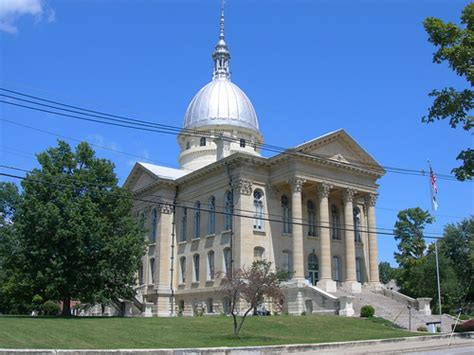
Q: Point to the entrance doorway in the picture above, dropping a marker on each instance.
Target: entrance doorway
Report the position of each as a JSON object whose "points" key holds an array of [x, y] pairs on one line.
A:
{"points": [[313, 268]]}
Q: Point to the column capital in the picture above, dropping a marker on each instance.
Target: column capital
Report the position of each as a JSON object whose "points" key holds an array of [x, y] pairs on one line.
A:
{"points": [[348, 195], [243, 186], [323, 189], [166, 209], [371, 199], [296, 184]]}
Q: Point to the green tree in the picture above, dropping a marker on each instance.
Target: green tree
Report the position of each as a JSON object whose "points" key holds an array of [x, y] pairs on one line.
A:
{"points": [[456, 47], [386, 272], [76, 237], [458, 246], [409, 232]]}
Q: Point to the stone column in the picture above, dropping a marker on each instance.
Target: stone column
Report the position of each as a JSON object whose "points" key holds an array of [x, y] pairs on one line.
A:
{"points": [[325, 281], [163, 262], [373, 251], [296, 186], [351, 279]]}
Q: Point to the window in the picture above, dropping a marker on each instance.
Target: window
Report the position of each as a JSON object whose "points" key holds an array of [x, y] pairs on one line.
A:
{"points": [[228, 210], [313, 268], [196, 261], [152, 270], [311, 219], [154, 222], [258, 207], [210, 265], [242, 143], [197, 220], [184, 225], [210, 305], [141, 222], [188, 145], [357, 236], [336, 268], [227, 261], [287, 264], [258, 253], [211, 221], [359, 269], [202, 142], [285, 205], [182, 266], [335, 223], [226, 305], [141, 275]]}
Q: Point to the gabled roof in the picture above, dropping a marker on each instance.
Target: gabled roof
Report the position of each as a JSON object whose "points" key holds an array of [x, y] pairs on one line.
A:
{"points": [[157, 172], [364, 159]]}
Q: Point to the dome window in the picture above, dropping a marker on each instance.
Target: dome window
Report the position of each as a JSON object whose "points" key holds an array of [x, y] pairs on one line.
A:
{"points": [[242, 143], [202, 143], [188, 145]]}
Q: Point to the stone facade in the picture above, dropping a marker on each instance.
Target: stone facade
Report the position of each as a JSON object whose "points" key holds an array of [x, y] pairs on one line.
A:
{"points": [[312, 216]]}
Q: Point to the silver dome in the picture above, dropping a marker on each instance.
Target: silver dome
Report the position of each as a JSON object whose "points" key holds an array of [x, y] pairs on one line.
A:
{"points": [[221, 102]]}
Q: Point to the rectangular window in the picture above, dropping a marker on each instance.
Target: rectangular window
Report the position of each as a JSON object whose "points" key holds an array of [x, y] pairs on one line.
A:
{"points": [[242, 143], [182, 264], [184, 225]]}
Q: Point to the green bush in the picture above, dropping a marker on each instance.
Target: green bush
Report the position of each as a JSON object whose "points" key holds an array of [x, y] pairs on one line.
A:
{"points": [[51, 308], [367, 311], [422, 328]]}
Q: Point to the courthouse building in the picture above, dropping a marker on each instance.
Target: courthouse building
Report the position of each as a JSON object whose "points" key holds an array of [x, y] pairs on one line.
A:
{"points": [[309, 209]]}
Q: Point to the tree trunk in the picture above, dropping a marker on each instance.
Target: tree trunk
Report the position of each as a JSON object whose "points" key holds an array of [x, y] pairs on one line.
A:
{"points": [[66, 307]]}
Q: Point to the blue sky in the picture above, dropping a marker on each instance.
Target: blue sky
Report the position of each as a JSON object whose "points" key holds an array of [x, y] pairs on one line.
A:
{"points": [[309, 67]]}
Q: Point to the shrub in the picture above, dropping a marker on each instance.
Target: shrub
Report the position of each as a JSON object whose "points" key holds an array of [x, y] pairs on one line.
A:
{"points": [[438, 329], [467, 326], [367, 311], [422, 328], [51, 308], [303, 313]]}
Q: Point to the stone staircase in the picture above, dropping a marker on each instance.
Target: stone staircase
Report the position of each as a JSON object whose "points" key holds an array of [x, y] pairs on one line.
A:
{"points": [[396, 310]]}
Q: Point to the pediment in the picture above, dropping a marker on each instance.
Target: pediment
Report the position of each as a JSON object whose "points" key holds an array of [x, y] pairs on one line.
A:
{"points": [[339, 146], [139, 178]]}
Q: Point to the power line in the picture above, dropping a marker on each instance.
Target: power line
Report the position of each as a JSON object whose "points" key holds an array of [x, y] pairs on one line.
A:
{"points": [[192, 207], [126, 122]]}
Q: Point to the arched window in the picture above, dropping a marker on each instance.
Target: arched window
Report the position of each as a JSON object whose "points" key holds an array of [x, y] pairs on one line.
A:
{"points": [[210, 265], [197, 264], [287, 262], [188, 145], [152, 270], [197, 220], [227, 261], [286, 211], [258, 253], [359, 273], [335, 223], [182, 266], [184, 225], [357, 236], [154, 222], [313, 268], [142, 221], [228, 210], [336, 268], [211, 216], [202, 142], [242, 143], [311, 219], [258, 207]]}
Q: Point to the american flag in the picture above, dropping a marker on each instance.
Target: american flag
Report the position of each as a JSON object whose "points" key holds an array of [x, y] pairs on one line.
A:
{"points": [[434, 190]]}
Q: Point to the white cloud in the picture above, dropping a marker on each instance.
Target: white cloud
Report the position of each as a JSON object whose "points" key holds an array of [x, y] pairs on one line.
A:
{"points": [[11, 10], [100, 141]]}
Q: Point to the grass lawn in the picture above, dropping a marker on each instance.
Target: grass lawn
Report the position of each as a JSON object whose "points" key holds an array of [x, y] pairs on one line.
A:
{"points": [[103, 333]]}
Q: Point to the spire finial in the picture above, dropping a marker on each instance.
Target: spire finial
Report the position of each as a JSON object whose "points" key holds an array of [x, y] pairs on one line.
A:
{"points": [[222, 19], [221, 53]]}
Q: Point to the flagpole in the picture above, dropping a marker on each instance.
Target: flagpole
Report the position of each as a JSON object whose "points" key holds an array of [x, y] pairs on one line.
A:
{"points": [[434, 206]]}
